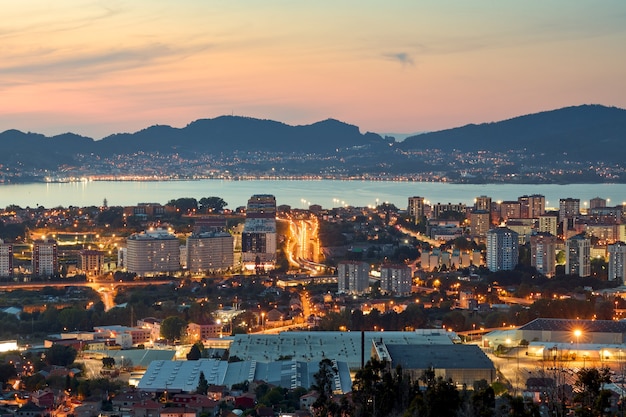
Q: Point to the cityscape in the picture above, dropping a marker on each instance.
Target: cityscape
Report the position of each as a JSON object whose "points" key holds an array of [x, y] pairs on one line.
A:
{"points": [[523, 297], [312, 209]]}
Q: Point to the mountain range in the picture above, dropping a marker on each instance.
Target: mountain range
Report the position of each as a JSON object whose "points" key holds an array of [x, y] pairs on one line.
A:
{"points": [[584, 134]]}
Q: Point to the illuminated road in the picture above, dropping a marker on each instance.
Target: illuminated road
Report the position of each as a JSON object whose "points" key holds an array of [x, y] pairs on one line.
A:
{"points": [[303, 246], [106, 289]]}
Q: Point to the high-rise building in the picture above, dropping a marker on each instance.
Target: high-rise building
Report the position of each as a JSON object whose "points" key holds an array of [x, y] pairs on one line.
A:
{"points": [[353, 277], [152, 252], [210, 251], [617, 262], [502, 249], [543, 253], [578, 256], [597, 202], [549, 223], [91, 262], [483, 203], [568, 208], [6, 259], [396, 279], [258, 240], [45, 261], [510, 210], [532, 206], [480, 220], [416, 208]]}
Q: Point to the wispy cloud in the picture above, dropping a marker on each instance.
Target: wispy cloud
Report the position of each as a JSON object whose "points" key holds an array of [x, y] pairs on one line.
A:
{"points": [[402, 57], [55, 66]]}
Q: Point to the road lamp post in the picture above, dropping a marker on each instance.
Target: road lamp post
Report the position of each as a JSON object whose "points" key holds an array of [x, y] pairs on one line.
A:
{"points": [[578, 333]]}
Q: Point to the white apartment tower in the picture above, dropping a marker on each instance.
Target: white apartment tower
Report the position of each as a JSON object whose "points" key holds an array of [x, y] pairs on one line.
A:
{"points": [[353, 277], [578, 256], [152, 252], [617, 262], [502, 249], [396, 279]]}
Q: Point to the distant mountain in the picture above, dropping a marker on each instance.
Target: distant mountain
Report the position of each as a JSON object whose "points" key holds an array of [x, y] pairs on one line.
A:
{"points": [[569, 141], [227, 134], [582, 133]]}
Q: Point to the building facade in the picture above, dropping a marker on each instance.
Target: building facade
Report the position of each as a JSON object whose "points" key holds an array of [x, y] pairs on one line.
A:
{"points": [[91, 262], [258, 239], [578, 256], [210, 251], [6, 259], [532, 206], [353, 277], [152, 252], [502, 249], [416, 208], [617, 262], [480, 221], [396, 279], [543, 253], [45, 259]]}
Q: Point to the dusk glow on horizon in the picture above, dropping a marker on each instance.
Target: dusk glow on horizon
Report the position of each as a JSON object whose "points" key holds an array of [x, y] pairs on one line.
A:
{"points": [[100, 67]]}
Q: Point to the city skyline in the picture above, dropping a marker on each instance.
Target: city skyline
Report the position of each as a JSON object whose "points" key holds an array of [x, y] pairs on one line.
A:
{"points": [[96, 69]]}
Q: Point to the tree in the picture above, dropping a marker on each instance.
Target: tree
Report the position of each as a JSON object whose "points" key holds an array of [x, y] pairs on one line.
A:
{"points": [[7, 371], [203, 384], [172, 328], [212, 204], [60, 355], [324, 383], [184, 205], [592, 399], [195, 353], [108, 362]]}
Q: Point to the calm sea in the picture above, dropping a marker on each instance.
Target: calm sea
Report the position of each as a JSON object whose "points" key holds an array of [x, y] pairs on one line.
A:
{"points": [[298, 194]]}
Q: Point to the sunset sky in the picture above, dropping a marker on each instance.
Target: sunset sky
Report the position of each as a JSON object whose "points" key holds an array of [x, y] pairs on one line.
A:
{"points": [[101, 67]]}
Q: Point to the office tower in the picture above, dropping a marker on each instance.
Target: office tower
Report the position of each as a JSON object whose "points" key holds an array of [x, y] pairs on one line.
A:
{"points": [[416, 208], [617, 262], [483, 203], [353, 277], [532, 206], [549, 223], [210, 251], [91, 262], [597, 202], [502, 249], [45, 261], [152, 252], [480, 220], [543, 253], [396, 279], [578, 256], [568, 208], [510, 210], [6, 259], [258, 240]]}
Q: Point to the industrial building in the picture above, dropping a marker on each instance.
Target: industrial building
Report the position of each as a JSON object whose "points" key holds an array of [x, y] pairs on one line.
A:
{"points": [[463, 364], [183, 376]]}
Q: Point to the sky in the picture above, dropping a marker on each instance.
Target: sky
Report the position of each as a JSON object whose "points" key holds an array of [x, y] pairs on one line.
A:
{"points": [[100, 67]]}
